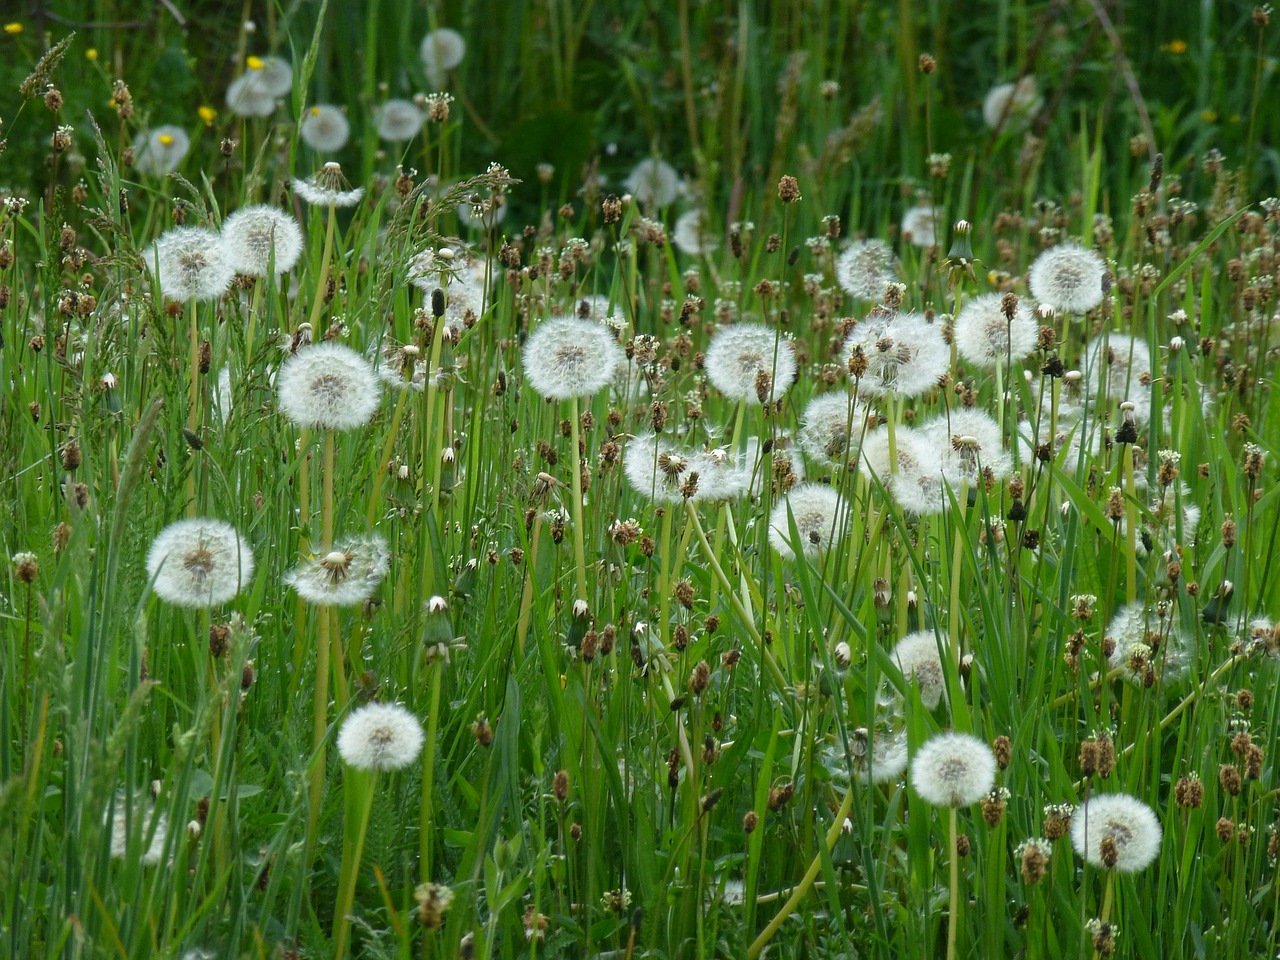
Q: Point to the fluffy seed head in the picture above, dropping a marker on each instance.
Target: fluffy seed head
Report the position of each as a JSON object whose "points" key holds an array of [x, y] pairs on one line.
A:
{"points": [[380, 736], [252, 234], [1068, 278], [345, 575], [249, 97], [953, 770], [920, 225], [831, 429], [653, 182], [916, 656], [145, 819], [325, 128], [985, 336], [905, 355], [399, 120], [1011, 104], [327, 187], [864, 268], [816, 509], [878, 757], [570, 357], [199, 563], [737, 354], [691, 234], [191, 263], [441, 50], [1126, 822], [655, 468], [161, 150], [328, 385]]}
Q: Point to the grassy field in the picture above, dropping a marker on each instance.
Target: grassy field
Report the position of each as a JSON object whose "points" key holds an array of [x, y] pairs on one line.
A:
{"points": [[639, 480]]}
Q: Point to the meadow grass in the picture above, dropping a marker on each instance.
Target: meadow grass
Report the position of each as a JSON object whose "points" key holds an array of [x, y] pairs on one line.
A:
{"points": [[669, 712]]}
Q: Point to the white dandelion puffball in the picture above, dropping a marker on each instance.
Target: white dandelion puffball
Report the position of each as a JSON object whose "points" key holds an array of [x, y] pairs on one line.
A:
{"points": [[917, 659], [328, 188], [953, 770], [985, 336], [905, 355], [347, 574], [329, 386], [920, 225], [655, 468], [740, 353], [191, 263], [441, 50], [247, 97], [399, 120], [690, 234], [380, 736], [160, 150], [199, 563], [1119, 361], [973, 445], [272, 75], [145, 817], [570, 357], [1011, 104], [883, 760], [325, 128], [653, 182], [831, 429], [818, 513], [1068, 278], [722, 475], [1126, 820], [865, 268], [260, 239], [920, 486]]}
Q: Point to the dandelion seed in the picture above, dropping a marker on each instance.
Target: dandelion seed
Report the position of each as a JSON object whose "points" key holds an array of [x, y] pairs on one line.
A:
{"points": [[985, 336], [191, 263], [690, 234], [441, 50], [865, 268], [253, 234], [1011, 104], [380, 736], [916, 657], [831, 429], [721, 476], [247, 97], [199, 563], [878, 757], [399, 120], [328, 188], [654, 183], [328, 385], [817, 510], [570, 357], [953, 770], [739, 353], [1126, 822], [146, 820], [905, 355], [920, 225], [325, 128], [160, 150], [347, 575], [1068, 278]]}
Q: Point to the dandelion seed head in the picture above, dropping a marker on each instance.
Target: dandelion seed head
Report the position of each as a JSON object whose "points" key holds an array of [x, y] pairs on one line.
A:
{"points": [[325, 128], [1116, 363], [441, 50], [328, 385], [817, 510], [252, 235], [905, 355], [916, 656], [691, 234], [878, 757], [346, 575], [199, 563], [831, 429], [1068, 278], [248, 97], [1123, 819], [191, 263], [328, 188], [865, 268], [985, 336], [145, 817], [737, 355], [655, 468], [570, 357], [380, 736], [654, 183], [953, 770], [160, 150], [399, 120], [1011, 104], [920, 225]]}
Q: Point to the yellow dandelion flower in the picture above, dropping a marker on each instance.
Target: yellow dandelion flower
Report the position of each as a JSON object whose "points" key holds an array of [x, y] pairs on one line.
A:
{"points": [[13, 29], [254, 63], [1177, 47], [91, 54], [1209, 116], [207, 114]]}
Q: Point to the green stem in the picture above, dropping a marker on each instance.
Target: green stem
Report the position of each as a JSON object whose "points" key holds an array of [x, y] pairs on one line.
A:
{"points": [[359, 803], [575, 480], [426, 809], [953, 910]]}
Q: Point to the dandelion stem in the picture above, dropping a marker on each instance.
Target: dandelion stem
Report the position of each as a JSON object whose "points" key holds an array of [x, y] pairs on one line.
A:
{"points": [[322, 285], [833, 834], [426, 809], [359, 803], [575, 480], [193, 397], [953, 908]]}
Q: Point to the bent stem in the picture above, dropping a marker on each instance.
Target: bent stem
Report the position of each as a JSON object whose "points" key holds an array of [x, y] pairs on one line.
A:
{"points": [[833, 834]]}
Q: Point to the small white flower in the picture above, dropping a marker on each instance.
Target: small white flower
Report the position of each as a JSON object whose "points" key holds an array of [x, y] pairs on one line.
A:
{"points": [[380, 736]]}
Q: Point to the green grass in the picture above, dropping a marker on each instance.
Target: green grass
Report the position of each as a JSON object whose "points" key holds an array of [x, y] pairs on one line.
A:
{"points": [[113, 706]]}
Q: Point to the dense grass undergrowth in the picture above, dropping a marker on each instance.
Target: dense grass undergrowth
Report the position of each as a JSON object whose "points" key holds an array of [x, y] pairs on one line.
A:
{"points": [[682, 480]]}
